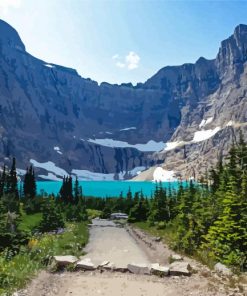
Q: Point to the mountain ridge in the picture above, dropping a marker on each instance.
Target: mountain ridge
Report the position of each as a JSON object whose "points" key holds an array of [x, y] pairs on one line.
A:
{"points": [[51, 106]]}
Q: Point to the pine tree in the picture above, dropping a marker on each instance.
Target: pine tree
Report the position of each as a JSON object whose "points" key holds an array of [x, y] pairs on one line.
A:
{"points": [[29, 184], [13, 184], [140, 211], [76, 191], [80, 212], [52, 217], [2, 181], [227, 237]]}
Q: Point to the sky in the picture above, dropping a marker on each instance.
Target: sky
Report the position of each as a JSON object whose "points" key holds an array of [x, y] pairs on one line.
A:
{"points": [[121, 41]]}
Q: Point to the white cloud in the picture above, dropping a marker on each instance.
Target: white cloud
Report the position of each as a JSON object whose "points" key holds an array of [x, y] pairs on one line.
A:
{"points": [[120, 65], [130, 61], [5, 5], [115, 57]]}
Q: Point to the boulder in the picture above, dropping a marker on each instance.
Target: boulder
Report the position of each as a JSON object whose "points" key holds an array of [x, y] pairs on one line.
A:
{"points": [[86, 264], [176, 257], [65, 260], [138, 268], [159, 270], [222, 269], [180, 268]]}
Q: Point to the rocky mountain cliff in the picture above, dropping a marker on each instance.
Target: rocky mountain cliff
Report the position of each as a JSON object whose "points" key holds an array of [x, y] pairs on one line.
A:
{"points": [[179, 119]]}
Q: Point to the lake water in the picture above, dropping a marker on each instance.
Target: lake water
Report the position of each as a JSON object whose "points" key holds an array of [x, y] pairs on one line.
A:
{"points": [[106, 188]]}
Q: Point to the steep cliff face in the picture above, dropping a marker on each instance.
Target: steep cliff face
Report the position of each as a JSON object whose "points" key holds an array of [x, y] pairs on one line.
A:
{"points": [[63, 123], [209, 127], [50, 113]]}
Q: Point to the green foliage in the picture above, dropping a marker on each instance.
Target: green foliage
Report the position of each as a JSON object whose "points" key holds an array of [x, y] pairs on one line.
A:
{"points": [[139, 211], [52, 218], [15, 273], [30, 223]]}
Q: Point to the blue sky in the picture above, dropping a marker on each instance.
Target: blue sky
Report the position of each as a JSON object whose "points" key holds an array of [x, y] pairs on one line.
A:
{"points": [[122, 40]]}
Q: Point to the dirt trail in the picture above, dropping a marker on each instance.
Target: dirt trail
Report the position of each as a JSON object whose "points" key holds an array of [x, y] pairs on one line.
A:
{"points": [[114, 244], [121, 246]]}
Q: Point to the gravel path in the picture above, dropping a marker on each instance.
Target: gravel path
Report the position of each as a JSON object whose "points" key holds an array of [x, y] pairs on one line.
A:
{"points": [[121, 246], [113, 244]]}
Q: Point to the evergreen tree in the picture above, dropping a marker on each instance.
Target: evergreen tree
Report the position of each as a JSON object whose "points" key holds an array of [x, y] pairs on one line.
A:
{"points": [[139, 211], [66, 191], [52, 217], [2, 181], [76, 191], [12, 179], [29, 184]]}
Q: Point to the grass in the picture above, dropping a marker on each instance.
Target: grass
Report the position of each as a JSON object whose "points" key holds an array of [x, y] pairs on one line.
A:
{"points": [[15, 273], [93, 213], [166, 233]]}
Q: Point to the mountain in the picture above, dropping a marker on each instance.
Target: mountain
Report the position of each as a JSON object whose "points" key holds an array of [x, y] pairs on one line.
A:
{"points": [[181, 119]]}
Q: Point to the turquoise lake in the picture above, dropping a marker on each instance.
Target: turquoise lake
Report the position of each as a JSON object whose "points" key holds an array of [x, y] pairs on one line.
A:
{"points": [[105, 188]]}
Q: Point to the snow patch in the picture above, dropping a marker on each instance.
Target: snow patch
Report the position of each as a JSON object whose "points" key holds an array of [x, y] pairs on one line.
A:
{"points": [[84, 175], [128, 128], [56, 148], [162, 175], [205, 122], [149, 146], [51, 177], [230, 123], [137, 170], [50, 167], [171, 145], [20, 172], [49, 66], [204, 135]]}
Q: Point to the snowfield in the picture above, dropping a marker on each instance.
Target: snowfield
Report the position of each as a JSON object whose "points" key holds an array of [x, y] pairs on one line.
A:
{"points": [[50, 177], [205, 122], [85, 175], [205, 134], [50, 167], [162, 175], [56, 173], [20, 172], [150, 146], [172, 145]]}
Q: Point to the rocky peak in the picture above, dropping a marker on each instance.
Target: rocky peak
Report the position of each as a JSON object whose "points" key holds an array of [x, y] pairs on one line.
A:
{"points": [[233, 52], [10, 37]]}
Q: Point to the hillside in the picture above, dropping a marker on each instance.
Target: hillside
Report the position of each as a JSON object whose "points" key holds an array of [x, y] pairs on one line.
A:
{"points": [[183, 118]]}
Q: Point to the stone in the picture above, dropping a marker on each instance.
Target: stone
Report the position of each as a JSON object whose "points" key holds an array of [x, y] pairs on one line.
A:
{"points": [[180, 268], [222, 269], [159, 270], [86, 264], [120, 268], [176, 257], [157, 239], [65, 260], [138, 268], [103, 263], [109, 266]]}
